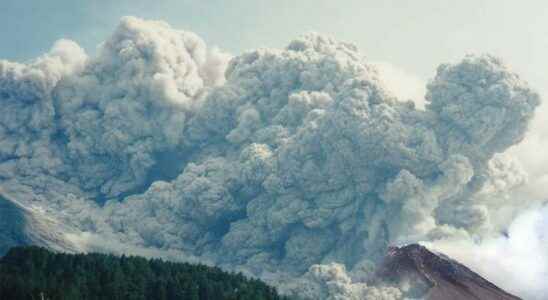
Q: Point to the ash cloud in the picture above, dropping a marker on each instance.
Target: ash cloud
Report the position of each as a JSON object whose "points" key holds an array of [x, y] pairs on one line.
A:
{"points": [[298, 162]]}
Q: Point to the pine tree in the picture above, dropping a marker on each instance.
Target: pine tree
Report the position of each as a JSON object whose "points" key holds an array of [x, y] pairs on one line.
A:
{"points": [[34, 273]]}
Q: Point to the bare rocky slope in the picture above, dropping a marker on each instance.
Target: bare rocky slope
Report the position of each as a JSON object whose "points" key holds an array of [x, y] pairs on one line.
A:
{"points": [[22, 226], [434, 276]]}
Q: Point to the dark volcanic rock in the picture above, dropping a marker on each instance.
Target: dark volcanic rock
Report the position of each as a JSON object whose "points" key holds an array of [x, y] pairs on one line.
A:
{"points": [[434, 276]]}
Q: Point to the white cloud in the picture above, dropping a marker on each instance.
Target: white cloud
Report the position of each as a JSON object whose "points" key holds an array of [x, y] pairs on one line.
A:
{"points": [[517, 262]]}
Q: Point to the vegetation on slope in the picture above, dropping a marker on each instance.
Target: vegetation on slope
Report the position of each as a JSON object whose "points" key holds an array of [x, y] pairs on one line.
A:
{"points": [[36, 273]]}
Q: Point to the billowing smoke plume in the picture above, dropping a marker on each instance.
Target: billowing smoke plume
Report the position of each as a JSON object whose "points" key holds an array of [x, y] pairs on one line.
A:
{"points": [[294, 161], [127, 110], [333, 282]]}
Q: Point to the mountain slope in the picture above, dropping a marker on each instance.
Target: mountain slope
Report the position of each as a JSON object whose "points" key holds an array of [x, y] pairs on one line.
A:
{"points": [[435, 276], [20, 226]]}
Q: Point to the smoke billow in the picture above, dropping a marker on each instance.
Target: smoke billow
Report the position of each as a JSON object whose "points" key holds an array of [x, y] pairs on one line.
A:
{"points": [[296, 162]]}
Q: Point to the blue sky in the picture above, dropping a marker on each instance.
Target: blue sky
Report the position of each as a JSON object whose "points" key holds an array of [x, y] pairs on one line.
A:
{"points": [[414, 35]]}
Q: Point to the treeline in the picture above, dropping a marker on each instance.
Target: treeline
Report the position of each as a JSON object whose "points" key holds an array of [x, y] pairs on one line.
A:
{"points": [[36, 273]]}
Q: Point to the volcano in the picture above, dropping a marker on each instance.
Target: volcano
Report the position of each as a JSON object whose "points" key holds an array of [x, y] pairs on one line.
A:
{"points": [[434, 276]]}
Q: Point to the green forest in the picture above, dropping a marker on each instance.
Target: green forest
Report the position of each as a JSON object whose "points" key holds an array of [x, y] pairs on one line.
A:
{"points": [[36, 273]]}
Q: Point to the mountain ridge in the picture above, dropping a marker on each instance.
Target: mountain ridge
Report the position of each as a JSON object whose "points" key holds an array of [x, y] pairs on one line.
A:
{"points": [[22, 226], [435, 276]]}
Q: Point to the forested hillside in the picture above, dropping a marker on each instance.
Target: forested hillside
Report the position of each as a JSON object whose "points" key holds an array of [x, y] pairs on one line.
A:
{"points": [[33, 273]]}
